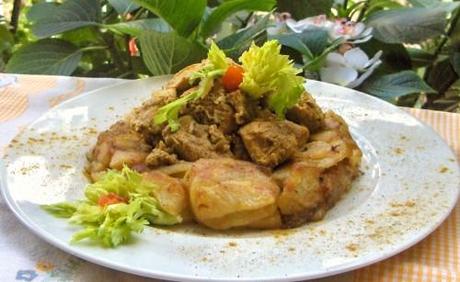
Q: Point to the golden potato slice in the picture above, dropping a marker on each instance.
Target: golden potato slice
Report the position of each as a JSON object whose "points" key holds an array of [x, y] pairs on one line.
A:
{"points": [[170, 193], [226, 193], [301, 188]]}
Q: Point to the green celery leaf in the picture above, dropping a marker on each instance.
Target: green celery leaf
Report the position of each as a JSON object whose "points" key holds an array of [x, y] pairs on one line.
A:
{"points": [[268, 73], [217, 57], [170, 112], [113, 224], [64, 209]]}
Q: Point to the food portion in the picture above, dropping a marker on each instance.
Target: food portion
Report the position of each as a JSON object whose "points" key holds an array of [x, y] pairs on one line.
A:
{"points": [[223, 144]]}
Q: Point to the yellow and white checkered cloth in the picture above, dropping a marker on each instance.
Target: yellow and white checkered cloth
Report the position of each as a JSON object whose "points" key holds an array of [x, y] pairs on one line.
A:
{"points": [[24, 98]]}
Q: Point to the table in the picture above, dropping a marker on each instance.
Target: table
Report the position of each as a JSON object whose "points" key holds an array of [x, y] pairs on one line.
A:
{"points": [[25, 257]]}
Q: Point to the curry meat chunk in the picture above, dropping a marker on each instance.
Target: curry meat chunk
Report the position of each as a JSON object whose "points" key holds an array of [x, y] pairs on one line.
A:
{"points": [[214, 109], [141, 118], [194, 141], [307, 113], [270, 143]]}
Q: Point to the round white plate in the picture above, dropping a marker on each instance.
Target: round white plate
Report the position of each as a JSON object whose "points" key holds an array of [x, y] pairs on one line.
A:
{"points": [[410, 183]]}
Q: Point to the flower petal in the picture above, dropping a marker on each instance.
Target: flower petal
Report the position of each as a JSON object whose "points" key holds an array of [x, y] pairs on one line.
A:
{"points": [[360, 40], [338, 75], [335, 59], [364, 76], [358, 30], [356, 58], [374, 59], [299, 26]]}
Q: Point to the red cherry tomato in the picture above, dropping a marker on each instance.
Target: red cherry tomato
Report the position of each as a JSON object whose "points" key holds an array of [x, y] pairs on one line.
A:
{"points": [[232, 78], [110, 199]]}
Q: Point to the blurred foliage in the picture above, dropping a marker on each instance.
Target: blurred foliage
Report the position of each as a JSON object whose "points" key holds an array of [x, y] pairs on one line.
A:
{"points": [[420, 39]]}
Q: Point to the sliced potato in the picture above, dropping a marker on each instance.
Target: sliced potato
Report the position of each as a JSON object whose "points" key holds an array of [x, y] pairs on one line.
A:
{"points": [[226, 193], [170, 193]]}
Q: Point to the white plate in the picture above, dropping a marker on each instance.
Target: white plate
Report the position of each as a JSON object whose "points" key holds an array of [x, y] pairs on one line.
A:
{"points": [[409, 186]]}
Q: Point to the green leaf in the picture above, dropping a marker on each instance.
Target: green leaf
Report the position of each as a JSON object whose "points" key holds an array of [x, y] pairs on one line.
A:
{"points": [[309, 42], [166, 53], [455, 61], [420, 58], [82, 37], [40, 10], [182, 15], [219, 14], [410, 25], [318, 61], [300, 9], [49, 19], [135, 28], [395, 57], [441, 75], [235, 44], [47, 56], [6, 39], [124, 6], [392, 86], [423, 3]]}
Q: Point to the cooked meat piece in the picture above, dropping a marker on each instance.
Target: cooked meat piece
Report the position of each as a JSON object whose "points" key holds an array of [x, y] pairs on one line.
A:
{"points": [[270, 143], [161, 155], [170, 193], [115, 147], [307, 113], [194, 141], [226, 193], [141, 118], [300, 132], [180, 81], [238, 149], [214, 108], [245, 107]]}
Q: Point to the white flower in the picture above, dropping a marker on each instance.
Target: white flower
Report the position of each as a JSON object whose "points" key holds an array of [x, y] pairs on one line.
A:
{"points": [[349, 69], [308, 23], [278, 25], [353, 32]]}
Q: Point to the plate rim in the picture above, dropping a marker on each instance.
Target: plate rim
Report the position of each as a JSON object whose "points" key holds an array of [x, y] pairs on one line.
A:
{"points": [[346, 267]]}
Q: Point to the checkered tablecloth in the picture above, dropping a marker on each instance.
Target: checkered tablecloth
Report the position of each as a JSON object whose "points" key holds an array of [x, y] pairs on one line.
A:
{"points": [[25, 257]]}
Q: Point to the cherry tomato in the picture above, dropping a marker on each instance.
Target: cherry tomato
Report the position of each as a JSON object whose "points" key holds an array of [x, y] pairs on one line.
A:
{"points": [[232, 78], [110, 199]]}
